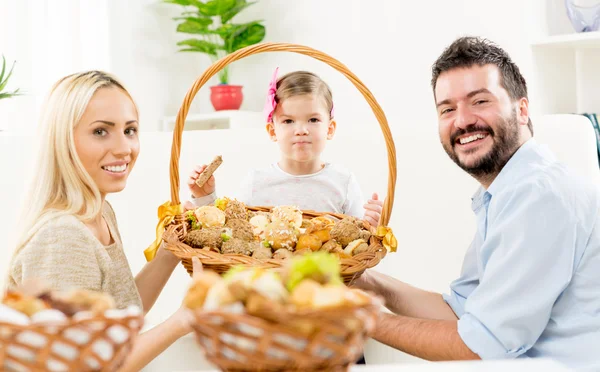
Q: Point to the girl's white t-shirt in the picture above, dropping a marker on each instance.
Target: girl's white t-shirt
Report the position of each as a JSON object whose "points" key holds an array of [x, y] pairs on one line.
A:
{"points": [[332, 189]]}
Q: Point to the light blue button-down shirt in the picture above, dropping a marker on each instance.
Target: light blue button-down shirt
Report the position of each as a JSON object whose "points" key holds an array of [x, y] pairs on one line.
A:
{"points": [[530, 281]]}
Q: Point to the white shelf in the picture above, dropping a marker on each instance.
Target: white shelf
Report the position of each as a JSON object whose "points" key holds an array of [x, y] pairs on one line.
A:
{"points": [[226, 119], [567, 74], [583, 40]]}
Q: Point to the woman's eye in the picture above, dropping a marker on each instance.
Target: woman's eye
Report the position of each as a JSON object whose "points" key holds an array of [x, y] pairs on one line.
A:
{"points": [[131, 131], [100, 132]]}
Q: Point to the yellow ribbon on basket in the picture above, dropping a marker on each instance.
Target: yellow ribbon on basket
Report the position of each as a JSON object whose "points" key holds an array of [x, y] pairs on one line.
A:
{"points": [[389, 240], [166, 215]]}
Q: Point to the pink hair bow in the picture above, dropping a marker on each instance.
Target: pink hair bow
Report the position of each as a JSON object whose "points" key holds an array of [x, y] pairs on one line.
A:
{"points": [[270, 102]]}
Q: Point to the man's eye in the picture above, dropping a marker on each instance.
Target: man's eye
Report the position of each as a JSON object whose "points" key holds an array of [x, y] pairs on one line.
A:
{"points": [[445, 111], [480, 101]]}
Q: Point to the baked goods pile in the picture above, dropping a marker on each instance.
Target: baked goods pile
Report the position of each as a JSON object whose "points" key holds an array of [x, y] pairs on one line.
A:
{"points": [[228, 227], [307, 283]]}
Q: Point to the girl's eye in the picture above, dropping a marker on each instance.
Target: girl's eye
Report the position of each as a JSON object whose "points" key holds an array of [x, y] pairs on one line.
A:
{"points": [[313, 120], [100, 132], [131, 131], [288, 121]]}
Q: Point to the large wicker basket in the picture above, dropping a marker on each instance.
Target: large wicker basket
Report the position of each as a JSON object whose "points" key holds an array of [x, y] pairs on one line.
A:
{"points": [[100, 343], [351, 267], [324, 340]]}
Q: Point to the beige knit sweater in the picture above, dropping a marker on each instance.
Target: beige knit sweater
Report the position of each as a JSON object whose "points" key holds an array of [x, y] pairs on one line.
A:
{"points": [[65, 254]]}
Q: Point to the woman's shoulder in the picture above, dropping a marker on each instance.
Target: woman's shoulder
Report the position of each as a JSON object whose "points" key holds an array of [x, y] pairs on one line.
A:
{"points": [[60, 230]]}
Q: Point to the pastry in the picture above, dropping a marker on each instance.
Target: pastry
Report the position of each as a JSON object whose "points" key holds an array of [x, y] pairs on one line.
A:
{"points": [[236, 246], [288, 214], [210, 216], [310, 241], [240, 229], [206, 238], [208, 171], [346, 231], [355, 247], [280, 234]]}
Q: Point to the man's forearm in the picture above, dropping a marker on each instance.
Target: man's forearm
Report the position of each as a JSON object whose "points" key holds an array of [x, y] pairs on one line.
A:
{"points": [[428, 339], [404, 299]]}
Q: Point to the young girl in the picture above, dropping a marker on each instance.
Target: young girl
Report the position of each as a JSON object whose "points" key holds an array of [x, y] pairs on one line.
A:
{"points": [[299, 115], [70, 237]]}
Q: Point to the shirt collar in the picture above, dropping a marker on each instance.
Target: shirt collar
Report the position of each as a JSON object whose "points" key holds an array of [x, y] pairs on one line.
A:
{"points": [[518, 165]]}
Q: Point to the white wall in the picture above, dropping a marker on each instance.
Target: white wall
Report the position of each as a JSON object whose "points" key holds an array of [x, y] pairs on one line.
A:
{"points": [[389, 44]]}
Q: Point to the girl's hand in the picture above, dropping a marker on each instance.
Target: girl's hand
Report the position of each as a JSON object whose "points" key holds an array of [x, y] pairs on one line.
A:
{"points": [[207, 189], [373, 210]]}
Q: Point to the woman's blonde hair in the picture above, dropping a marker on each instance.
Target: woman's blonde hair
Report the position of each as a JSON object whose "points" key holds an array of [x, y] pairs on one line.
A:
{"points": [[299, 83], [61, 185]]}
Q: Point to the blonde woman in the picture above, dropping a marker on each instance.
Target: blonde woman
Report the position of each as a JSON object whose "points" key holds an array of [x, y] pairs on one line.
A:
{"points": [[70, 238]]}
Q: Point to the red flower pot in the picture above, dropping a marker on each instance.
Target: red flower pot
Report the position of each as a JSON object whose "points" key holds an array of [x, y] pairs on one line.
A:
{"points": [[226, 97]]}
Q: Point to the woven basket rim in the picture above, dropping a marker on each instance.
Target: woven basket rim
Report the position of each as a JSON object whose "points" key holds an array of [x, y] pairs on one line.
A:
{"points": [[331, 322], [56, 332]]}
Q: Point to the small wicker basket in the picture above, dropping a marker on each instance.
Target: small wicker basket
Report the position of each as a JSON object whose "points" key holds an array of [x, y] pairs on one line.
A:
{"points": [[99, 343], [351, 267], [323, 340]]}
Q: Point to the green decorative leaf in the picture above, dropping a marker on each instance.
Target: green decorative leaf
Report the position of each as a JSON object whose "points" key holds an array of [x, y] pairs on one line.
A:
{"points": [[201, 46], [239, 6], [252, 34], [216, 7], [4, 79], [10, 94], [183, 2], [195, 26]]}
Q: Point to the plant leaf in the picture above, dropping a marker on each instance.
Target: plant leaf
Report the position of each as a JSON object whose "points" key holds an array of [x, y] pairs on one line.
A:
{"points": [[4, 80], [215, 7], [201, 46], [10, 94], [182, 2], [239, 6], [3, 68], [195, 26], [252, 34]]}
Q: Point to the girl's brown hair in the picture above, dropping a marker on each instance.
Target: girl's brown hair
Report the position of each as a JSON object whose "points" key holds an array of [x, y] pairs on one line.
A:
{"points": [[299, 83]]}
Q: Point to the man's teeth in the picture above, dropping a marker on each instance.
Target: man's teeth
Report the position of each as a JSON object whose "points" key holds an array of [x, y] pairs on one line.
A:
{"points": [[115, 168], [472, 138]]}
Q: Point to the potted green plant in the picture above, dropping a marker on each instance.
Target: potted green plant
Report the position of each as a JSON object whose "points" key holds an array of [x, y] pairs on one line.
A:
{"points": [[217, 36], [4, 81]]}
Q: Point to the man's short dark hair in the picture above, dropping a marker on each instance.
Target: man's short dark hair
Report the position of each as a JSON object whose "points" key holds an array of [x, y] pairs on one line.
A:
{"points": [[467, 51]]}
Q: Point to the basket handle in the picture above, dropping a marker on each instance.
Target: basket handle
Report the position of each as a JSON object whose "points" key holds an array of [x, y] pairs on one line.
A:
{"points": [[295, 48]]}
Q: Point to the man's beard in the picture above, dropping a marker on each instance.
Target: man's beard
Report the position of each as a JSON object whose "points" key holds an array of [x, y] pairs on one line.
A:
{"points": [[506, 142]]}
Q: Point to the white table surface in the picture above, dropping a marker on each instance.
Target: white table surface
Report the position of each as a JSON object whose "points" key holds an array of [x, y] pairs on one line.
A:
{"points": [[516, 365]]}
